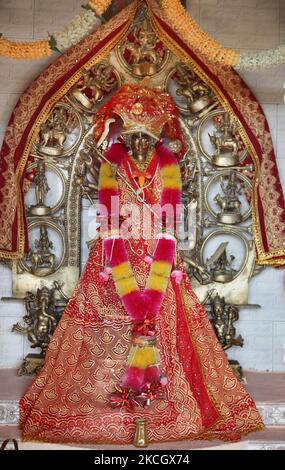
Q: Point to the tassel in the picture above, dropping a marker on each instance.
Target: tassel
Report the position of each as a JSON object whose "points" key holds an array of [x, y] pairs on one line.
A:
{"points": [[163, 381], [104, 276], [177, 275], [133, 378], [152, 375], [108, 270]]}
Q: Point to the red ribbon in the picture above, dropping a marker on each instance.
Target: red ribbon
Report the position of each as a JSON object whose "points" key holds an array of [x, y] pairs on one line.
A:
{"points": [[150, 393], [145, 328], [123, 398]]}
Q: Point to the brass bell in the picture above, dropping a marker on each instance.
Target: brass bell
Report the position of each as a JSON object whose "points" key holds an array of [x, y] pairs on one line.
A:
{"points": [[140, 439]]}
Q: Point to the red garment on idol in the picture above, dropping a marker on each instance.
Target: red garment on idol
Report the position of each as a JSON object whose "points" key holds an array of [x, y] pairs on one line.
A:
{"points": [[69, 401]]}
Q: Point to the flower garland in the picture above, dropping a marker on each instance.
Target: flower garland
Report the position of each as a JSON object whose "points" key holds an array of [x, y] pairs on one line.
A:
{"points": [[99, 6], [24, 50], [91, 16], [79, 27], [195, 36], [262, 59], [142, 375]]}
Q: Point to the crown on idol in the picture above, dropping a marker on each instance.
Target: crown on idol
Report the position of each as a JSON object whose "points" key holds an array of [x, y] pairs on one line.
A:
{"points": [[142, 109]]}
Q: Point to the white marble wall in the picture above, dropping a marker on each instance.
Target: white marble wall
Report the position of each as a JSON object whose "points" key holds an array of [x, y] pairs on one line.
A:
{"points": [[244, 24]]}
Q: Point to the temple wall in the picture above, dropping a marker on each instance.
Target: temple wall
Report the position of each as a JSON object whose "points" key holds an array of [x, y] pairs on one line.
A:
{"points": [[247, 24]]}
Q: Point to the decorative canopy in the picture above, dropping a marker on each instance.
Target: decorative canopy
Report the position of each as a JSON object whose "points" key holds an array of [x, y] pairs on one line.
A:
{"points": [[236, 98]]}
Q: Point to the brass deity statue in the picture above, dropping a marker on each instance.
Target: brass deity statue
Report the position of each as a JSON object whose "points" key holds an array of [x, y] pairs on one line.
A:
{"points": [[221, 269], [41, 189], [87, 173], [42, 260], [226, 143], [223, 317], [197, 93], [44, 309], [229, 203], [41, 323], [53, 132], [93, 85], [145, 57]]}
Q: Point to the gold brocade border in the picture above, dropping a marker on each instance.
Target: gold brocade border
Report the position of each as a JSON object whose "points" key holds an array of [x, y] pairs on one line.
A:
{"points": [[261, 256], [43, 116]]}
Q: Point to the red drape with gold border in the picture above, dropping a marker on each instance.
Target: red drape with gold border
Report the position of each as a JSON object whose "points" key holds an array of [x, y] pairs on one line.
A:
{"points": [[34, 106]]}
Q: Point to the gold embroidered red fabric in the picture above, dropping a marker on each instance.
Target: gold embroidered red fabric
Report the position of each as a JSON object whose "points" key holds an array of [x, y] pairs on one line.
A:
{"points": [[69, 399]]}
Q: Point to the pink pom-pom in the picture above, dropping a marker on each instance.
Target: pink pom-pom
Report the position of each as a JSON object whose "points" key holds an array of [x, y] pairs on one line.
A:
{"points": [[133, 378], [103, 276], [152, 375], [108, 270], [163, 381], [148, 259], [177, 275]]}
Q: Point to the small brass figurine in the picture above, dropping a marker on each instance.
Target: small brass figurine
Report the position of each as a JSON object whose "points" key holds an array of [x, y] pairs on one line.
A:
{"points": [[225, 142], [42, 260], [140, 439], [41, 189], [220, 266], [144, 57], [197, 94], [93, 85], [53, 132], [200, 272], [223, 317], [87, 174], [44, 310], [229, 203]]}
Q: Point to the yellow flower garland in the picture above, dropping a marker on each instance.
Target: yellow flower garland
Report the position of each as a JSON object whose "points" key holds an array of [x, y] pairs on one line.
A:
{"points": [[42, 48], [184, 25], [99, 6], [196, 37], [24, 50]]}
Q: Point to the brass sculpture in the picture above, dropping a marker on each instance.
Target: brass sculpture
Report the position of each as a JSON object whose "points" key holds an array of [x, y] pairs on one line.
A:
{"points": [[229, 203], [142, 51], [140, 439], [223, 318], [220, 265], [41, 324], [94, 84], [196, 92], [42, 260], [225, 142], [44, 310], [41, 189], [53, 132], [87, 170], [199, 271]]}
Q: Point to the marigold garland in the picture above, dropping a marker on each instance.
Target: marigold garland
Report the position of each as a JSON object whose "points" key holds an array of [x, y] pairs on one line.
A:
{"points": [[83, 23], [99, 6], [24, 50], [196, 37]]}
